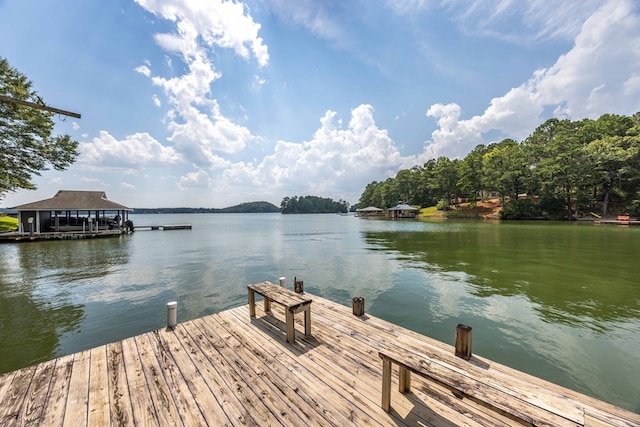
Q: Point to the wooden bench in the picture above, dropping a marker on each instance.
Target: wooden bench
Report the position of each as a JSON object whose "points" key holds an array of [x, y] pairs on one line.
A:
{"points": [[292, 302], [481, 388], [623, 218]]}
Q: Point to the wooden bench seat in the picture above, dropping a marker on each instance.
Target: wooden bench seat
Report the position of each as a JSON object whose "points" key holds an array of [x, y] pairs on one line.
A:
{"points": [[481, 388], [292, 302]]}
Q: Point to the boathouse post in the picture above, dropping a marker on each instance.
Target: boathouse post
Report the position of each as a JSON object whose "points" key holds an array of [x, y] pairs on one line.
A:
{"points": [[463, 341], [172, 314], [298, 285], [281, 280], [358, 306]]}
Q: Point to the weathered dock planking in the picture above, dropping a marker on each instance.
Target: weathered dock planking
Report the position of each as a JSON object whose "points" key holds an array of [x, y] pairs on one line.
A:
{"points": [[230, 369]]}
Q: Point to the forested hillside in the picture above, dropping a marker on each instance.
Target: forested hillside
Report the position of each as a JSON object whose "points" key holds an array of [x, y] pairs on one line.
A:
{"points": [[251, 207], [312, 204], [564, 169]]}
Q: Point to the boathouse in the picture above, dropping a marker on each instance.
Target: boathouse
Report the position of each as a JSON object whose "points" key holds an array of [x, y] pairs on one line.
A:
{"points": [[71, 211], [403, 210], [369, 211]]}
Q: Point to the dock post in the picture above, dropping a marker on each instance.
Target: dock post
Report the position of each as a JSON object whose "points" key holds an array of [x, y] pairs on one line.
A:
{"points": [[463, 341], [172, 314], [298, 285], [358, 306], [281, 280]]}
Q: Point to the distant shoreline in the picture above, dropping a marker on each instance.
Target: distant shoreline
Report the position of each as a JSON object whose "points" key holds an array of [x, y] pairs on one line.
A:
{"points": [[251, 207]]}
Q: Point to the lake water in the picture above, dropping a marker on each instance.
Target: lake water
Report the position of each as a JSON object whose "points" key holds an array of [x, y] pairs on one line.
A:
{"points": [[558, 300]]}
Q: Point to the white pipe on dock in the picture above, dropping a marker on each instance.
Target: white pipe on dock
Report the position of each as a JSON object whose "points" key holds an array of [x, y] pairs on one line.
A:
{"points": [[172, 314]]}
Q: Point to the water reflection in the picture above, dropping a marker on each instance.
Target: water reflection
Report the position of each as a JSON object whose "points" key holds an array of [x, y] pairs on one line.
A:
{"points": [[538, 297], [33, 317], [581, 275]]}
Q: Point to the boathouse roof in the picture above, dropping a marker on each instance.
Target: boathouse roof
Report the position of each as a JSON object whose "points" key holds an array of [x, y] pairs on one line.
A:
{"points": [[369, 209], [74, 200], [403, 207]]}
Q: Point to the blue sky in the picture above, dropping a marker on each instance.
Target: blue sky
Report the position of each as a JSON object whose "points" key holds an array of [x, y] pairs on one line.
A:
{"points": [[213, 103]]}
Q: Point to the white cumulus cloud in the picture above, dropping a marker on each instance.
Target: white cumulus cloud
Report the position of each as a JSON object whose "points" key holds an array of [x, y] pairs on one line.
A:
{"points": [[193, 180], [336, 162], [199, 129], [581, 84], [131, 153], [127, 186], [218, 22]]}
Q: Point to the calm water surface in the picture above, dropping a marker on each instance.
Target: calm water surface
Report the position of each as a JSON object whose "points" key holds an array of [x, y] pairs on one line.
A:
{"points": [[560, 301]]}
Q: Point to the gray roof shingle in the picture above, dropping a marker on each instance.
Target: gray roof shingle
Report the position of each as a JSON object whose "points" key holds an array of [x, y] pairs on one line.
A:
{"points": [[74, 200]]}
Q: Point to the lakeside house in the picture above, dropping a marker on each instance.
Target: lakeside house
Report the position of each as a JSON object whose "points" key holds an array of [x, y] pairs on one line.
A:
{"points": [[403, 210], [71, 211]]}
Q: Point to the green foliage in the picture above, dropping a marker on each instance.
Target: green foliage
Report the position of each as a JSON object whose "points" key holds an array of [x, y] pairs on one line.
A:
{"points": [[8, 223], [444, 180], [442, 205], [252, 207], [551, 207], [471, 183], [312, 204], [520, 209], [572, 167], [506, 170], [27, 145]]}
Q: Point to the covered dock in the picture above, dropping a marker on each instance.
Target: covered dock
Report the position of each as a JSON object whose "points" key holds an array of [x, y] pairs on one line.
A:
{"points": [[369, 211], [231, 369], [71, 211], [403, 210]]}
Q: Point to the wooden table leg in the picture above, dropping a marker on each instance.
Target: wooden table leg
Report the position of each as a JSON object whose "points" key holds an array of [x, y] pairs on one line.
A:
{"points": [[252, 303], [404, 384], [307, 321], [291, 331], [386, 385]]}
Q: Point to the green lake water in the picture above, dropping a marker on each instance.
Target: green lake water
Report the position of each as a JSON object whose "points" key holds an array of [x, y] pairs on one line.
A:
{"points": [[557, 300]]}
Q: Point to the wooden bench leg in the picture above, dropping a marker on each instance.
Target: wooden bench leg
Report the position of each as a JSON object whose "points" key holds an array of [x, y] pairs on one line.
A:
{"points": [[307, 321], [252, 303], [386, 385], [267, 305], [291, 331], [404, 384]]}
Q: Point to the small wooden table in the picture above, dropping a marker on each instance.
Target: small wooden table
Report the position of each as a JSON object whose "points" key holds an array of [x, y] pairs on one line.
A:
{"points": [[292, 302]]}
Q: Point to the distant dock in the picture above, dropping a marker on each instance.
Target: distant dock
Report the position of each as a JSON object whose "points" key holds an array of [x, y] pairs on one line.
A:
{"points": [[164, 227], [232, 369], [619, 220]]}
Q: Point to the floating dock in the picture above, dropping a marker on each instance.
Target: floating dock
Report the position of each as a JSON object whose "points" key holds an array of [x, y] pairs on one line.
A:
{"points": [[230, 369], [163, 227], [617, 221]]}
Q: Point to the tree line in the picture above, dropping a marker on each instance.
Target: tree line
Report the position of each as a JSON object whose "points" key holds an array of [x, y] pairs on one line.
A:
{"points": [[250, 207], [564, 169], [312, 204]]}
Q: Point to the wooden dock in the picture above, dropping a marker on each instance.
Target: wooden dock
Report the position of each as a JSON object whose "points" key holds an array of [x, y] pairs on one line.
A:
{"points": [[58, 235], [164, 227], [230, 369]]}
